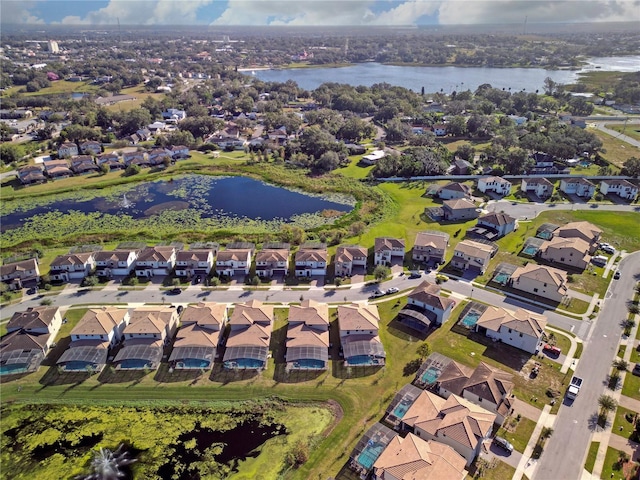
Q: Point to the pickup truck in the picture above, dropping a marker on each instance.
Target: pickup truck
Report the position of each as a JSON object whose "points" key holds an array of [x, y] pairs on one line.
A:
{"points": [[574, 388]]}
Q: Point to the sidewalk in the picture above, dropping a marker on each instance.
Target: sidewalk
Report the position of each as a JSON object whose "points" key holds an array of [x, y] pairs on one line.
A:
{"points": [[569, 361], [527, 464]]}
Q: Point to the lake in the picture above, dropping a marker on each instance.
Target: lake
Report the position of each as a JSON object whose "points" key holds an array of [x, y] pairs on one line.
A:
{"points": [[220, 197], [446, 79]]}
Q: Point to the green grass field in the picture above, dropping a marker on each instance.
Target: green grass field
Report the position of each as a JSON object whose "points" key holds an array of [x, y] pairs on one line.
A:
{"points": [[631, 386], [611, 468], [616, 152], [518, 433], [631, 130], [620, 425], [591, 456]]}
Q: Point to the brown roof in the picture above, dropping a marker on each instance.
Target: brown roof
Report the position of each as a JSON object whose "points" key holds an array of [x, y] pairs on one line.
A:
{"points": [[99, 321], [521, 320], [311, 255], [22, 266], [301, 335], [150, 319], [567, 243], [489, 383], [194, 255], [456, 187], [233, 254], [474, 249], [255, 335], [252, 312], [537, 181], [347, 253], [115, 255], [272, 255], [21, 340], [494, 179], [193, 335], [358, 317], [210, 315], [458, 204], [541, 273], [32, 318], [72, 259], [387, 243], [412, 458], [497, 219], [432, 239], [310, 312], [454, 377], [429, 294], [157, 253], [584, 230]]}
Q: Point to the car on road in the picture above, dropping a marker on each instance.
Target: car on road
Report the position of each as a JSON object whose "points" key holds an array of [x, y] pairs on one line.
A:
{"points": [[377, 294], [616, 275], [636, 369], [175, 291], [415, 274], [32, 291], [393, 290], [503, 443], [197, 279]]}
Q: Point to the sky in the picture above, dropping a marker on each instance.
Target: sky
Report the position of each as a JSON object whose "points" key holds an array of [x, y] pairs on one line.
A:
{"points": [[315, 12]]}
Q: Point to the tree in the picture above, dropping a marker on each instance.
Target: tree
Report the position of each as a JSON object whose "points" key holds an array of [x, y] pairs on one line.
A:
{"points": [[621, 365], [631, 167], [328, 161], [107, 465], [10, 153], [607, 404], [132, 170], [381, 272], [423, 350]]}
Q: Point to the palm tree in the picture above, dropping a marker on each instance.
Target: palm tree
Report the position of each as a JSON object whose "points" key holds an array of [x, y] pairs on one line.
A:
{"points": [[621, 365], [607, 404], [107, 465]]}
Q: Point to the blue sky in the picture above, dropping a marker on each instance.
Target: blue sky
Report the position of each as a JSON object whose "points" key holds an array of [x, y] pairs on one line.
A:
{"points": [[315, 12]]}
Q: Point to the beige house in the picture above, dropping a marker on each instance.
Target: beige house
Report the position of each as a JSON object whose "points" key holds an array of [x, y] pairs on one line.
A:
{"points": [[273, 261], [584, 230], [197, 340], [22, 274], [234, 261], [414, 458], [541, 187], [115, 263], [388, 251], [30, 335], [358, 325], [308, 336], [247, 347], [454, 190], [460, 209], [580, 187], [427, 298], [520, 328], [72, 266], [190, 263], [547, 282], [572, 252], [158, 260], [454, 421], [470, 254], [311, 261], [430, 246], [350, 259]]}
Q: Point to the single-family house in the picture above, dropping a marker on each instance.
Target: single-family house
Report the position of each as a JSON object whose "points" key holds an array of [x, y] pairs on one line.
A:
{"points": [[369, 448], [433, 308], [412, 457], [308, 336], [83, 164], [67, 149], [72, 266], [21, 274], [178, 152], [174, 114], [311, 260], [541, 187], [91, 147], [158, 260], [469, 254], [520, 329], [454, 190], [547, 282], [112, 160], [247, 347], [30, 335], [157, 156], [430, 246], [273, 260], [501, 223], [197, 340], [580, 187], [135, 158], [30, 174], [486, 386], [149, 330], [234, 261], [144, 134], [460, 167], [190, 263], [497, 185], [349, 260], [572, 252], [373, 157], [99, 330], [155, 127], [226, 142], [115, 263], [459, 209], [585, 230], [439, 129], [454, 421], [57, 168], [358, 325], [623, 188], [388, 251]]}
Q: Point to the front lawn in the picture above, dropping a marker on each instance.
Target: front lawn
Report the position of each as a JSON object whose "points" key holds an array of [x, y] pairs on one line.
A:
{"points": [[517, 432], [591, 456], [621, 426], [493, 470], [612, 467], [631, 387]]}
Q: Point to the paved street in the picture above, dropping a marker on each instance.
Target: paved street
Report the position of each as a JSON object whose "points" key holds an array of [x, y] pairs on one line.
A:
{"points": [[564, 454], [524, 211]]}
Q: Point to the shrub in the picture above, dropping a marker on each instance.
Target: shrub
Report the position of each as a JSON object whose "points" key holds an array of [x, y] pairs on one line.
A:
{"points": [[46, 301]]}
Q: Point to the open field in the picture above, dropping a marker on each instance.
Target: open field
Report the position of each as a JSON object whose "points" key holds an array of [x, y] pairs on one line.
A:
{"points": [[631, 130], [140, 93], [616, 152], [57, 87]]}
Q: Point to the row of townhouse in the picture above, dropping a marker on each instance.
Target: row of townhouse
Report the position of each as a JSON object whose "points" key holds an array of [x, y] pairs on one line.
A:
{"points": [[136, 339]]}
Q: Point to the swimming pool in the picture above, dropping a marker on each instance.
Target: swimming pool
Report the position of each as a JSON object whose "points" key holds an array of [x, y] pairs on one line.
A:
{"points": [[401, 408], [530, 250], [369, 455], [134, 364], [309, 363], [363, 360], [501, 278], [248, 363], [193, 363], [77, 366], [470, 319], [430, 375], [12, 368]]}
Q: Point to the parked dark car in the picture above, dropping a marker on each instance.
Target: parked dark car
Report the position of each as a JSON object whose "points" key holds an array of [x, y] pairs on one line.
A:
{"points": [[503, 443], [175, 291], [32, 291], [616, 275], [636, 369]]}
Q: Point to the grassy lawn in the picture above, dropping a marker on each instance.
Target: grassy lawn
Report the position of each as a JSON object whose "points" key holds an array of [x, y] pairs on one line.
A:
{"points": [[611, 469], [353, 170], [631, 130], [496, 470], [591, 456], [631, 387], [616, 151], [517, 432], [635, 355], [561, 341], [58, 87], [140, 93], [620, 425]]}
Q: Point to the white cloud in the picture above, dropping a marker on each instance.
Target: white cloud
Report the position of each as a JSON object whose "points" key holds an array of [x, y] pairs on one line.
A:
{"points": [[454, 12], [407, 13], [18, 12], [142, 12]]}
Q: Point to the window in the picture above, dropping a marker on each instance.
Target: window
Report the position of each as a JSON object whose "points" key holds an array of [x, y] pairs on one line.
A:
{"points": [[521, 335], [535, 290], [509, 330]]}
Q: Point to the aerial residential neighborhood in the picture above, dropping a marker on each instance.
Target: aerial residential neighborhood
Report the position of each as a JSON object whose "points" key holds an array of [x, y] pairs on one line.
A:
{"points": [[304, 252]]}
